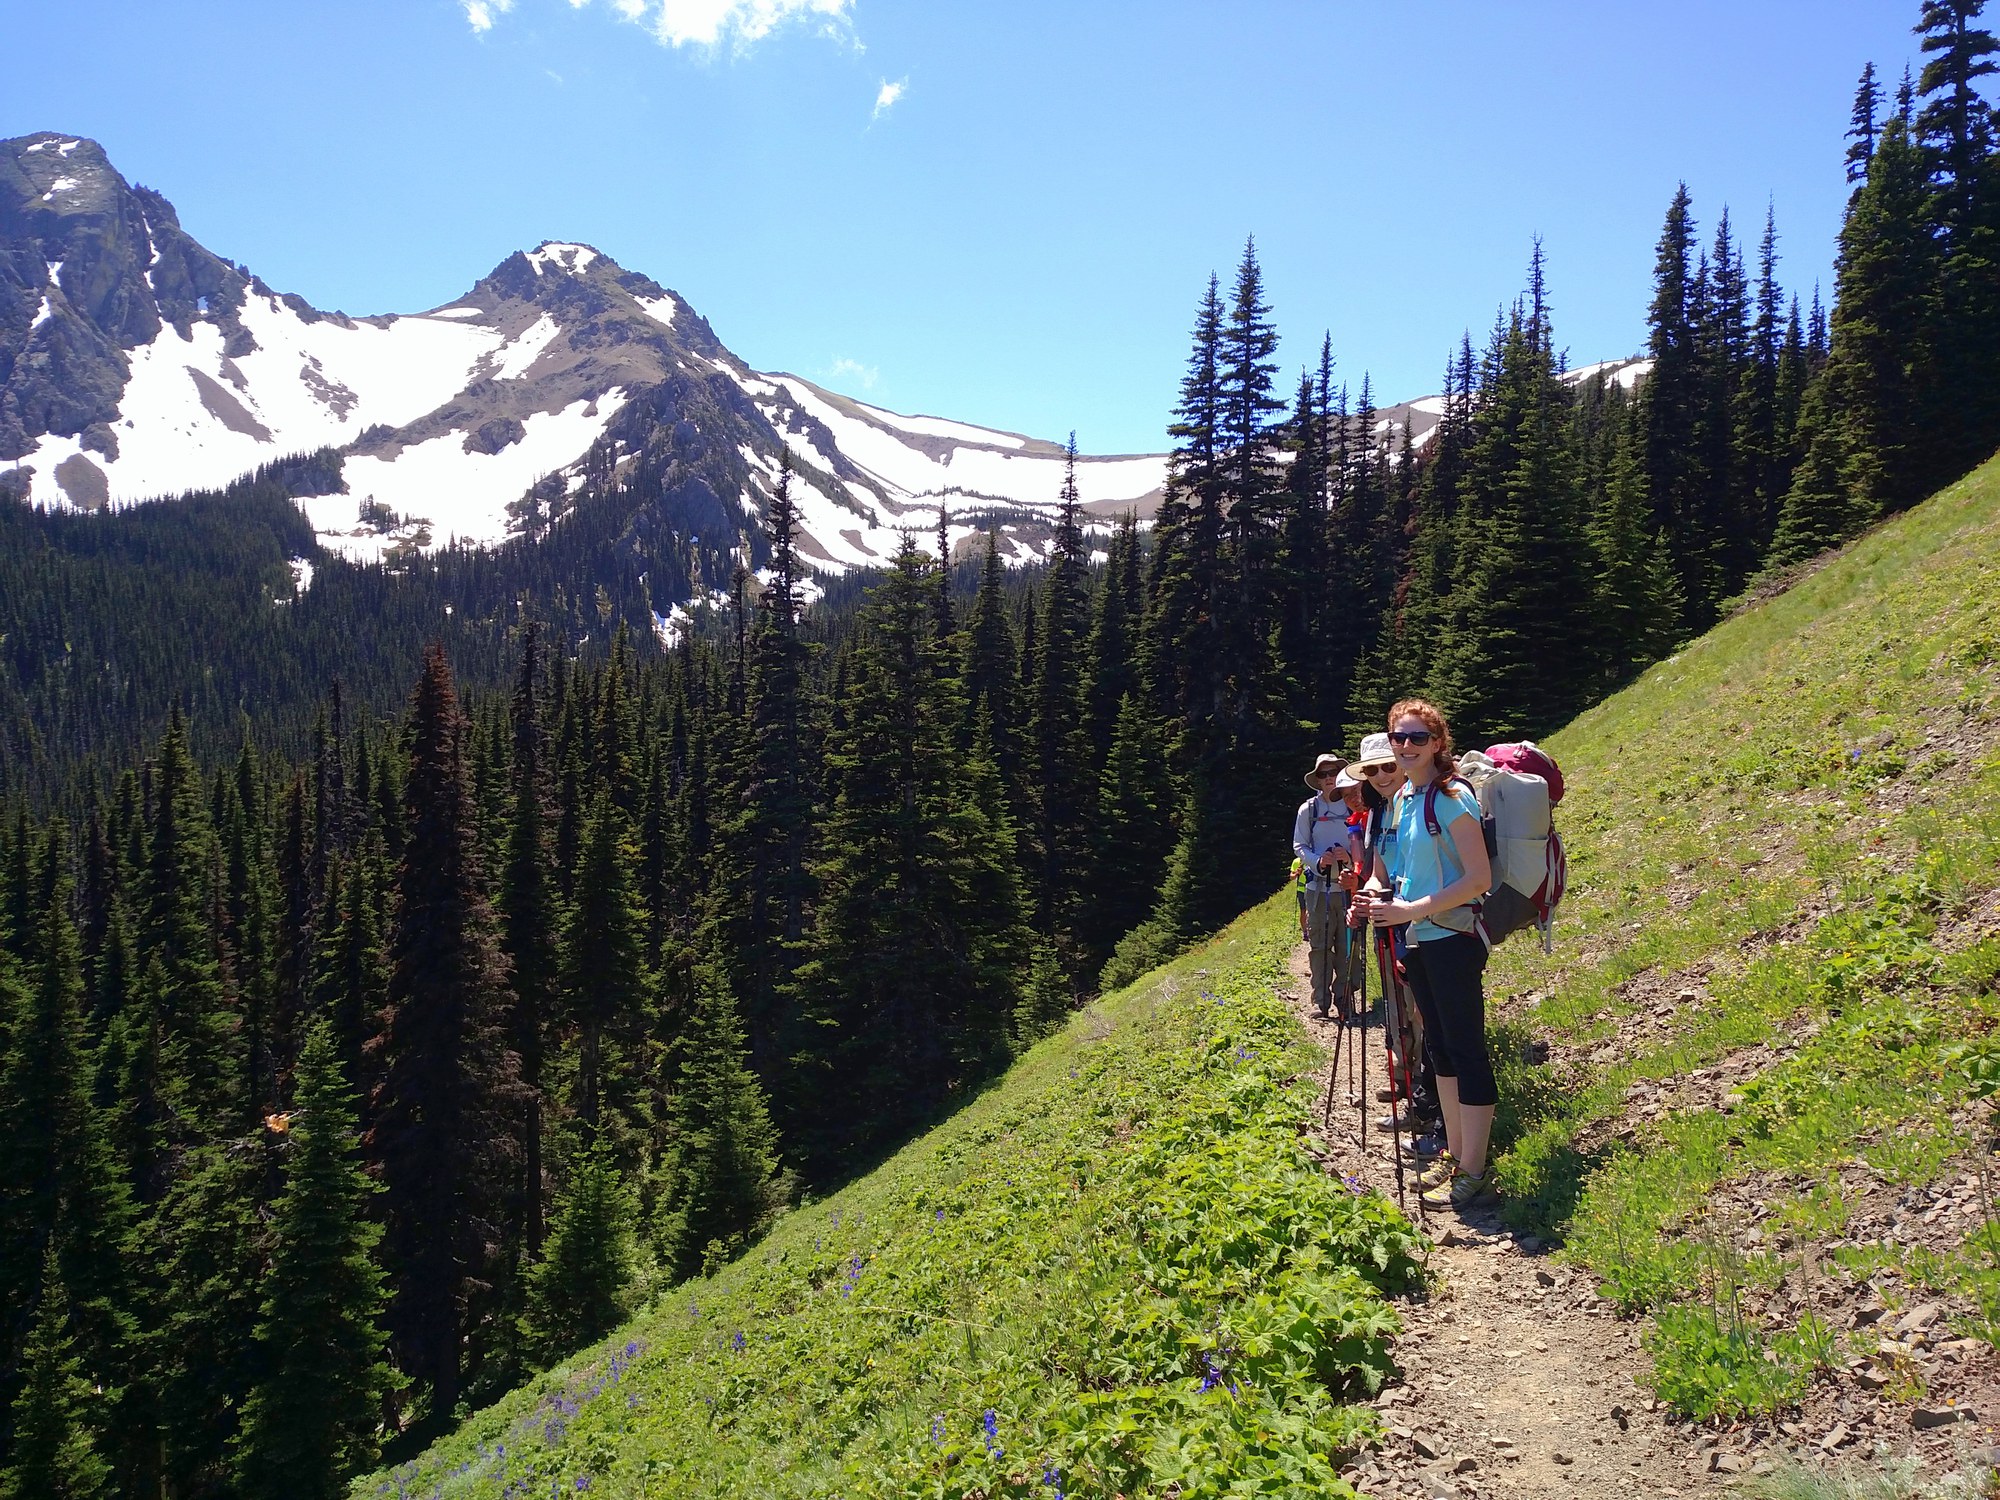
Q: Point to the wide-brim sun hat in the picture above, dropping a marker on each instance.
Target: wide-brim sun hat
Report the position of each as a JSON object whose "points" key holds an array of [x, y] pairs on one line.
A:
{"points": [[1346, 779], [1375, 751], [1326, 765]]}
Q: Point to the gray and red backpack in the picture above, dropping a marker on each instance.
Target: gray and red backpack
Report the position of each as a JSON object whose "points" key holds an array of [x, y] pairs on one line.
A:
{"points": [[1517, 785]]}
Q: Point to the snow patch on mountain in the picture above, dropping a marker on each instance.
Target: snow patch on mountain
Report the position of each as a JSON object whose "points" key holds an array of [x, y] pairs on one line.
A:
{"points": [[556, 257], [521, 353], [660, 309], [452, 494], [970, 466]]}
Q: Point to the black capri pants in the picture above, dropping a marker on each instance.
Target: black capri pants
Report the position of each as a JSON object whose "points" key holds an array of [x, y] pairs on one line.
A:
{"points": [[1445, 975]]}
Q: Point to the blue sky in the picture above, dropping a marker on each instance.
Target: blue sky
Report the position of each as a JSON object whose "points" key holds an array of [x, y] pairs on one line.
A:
{"points": [[1002, 213]]}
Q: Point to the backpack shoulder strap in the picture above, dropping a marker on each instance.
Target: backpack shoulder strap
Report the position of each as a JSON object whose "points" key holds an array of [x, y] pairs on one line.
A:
{"points": [[1431, 801]]}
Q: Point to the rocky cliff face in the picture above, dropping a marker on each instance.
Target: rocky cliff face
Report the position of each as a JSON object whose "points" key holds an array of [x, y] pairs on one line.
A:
{"points": [[90, 269]]}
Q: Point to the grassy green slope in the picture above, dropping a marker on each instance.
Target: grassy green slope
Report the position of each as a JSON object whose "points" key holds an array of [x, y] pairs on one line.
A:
{"points": [[1118, 1271], [1124, 1256], [1775, 980]]}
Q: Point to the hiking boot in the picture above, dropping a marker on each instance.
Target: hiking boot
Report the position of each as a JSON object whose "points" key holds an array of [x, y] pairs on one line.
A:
{"points": [[1426, 1146], [1397, 1120], [1389, 1093], [1438, 1172], [1461, 1191]]}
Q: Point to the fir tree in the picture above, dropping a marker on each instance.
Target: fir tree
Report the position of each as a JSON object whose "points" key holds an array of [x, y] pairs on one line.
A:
{"points": [[1135, 797], [1862, 125], [603, 980], [312, 1417], [919, 940], [351, 979], [1058, 739], [443, 1108], [1955, 123], [1860, 426], [1634, 586], [204, 1240], [719, 1179], [580, 1289], [180, 857], [61, 1190], [987, 670], [1523, 576], [1045, 999], [53, 1454], [529, 923], [759, 896], [1183, 648], [1675, 403], [1116, 615], [1961, 417]]}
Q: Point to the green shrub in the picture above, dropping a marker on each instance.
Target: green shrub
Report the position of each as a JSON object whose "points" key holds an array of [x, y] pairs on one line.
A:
{"points": [[1710, 1364]]}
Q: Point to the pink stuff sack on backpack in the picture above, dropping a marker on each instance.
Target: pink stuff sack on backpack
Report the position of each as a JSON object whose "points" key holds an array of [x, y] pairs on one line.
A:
{"points": [[1526, 758]]}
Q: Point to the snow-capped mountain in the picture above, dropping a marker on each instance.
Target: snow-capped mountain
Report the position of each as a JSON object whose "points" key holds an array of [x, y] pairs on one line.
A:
{"points": [[135, 363]]}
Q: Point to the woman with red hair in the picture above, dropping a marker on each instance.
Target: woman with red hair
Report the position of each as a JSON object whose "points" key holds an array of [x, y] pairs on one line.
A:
{"points": [[1437, 873]]}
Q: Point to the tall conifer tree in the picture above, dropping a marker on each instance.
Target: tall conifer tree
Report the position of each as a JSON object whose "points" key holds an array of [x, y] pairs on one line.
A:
{"points": [[443, 1112], [312, 1417]]}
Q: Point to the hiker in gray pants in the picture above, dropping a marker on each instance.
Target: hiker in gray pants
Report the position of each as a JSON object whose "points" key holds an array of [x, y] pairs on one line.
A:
{"points": [[1319, 839]]}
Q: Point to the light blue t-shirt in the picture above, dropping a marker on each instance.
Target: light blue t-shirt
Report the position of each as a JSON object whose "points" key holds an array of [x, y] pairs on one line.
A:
{"points": [[1421, 865]]}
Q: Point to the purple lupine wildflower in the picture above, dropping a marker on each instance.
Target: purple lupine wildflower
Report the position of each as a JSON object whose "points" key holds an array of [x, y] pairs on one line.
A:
{"points": [[937, 1429]]}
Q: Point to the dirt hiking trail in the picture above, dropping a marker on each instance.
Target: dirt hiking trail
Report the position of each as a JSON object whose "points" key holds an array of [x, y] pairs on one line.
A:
{"points": [[1515, 1379]]}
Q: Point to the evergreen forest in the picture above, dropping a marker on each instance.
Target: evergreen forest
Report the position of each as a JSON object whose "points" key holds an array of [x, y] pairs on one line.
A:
{"points": [[403, 978]]}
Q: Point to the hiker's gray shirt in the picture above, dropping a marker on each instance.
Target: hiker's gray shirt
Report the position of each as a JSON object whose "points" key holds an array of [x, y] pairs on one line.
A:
{"points": [[1313, 836]]}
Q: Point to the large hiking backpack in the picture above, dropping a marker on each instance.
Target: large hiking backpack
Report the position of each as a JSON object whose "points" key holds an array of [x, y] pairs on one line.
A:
{"points": [[1530, 870]]}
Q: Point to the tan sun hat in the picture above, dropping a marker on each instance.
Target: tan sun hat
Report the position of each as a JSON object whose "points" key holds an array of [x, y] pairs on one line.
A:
{"points": [[1327, 765], [1375, 751]]}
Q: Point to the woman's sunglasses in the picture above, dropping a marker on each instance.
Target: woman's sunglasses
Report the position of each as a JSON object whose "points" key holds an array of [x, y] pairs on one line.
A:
{"points": [[1410, 737]]}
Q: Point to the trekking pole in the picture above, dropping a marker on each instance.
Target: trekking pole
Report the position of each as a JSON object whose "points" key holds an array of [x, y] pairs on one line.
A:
{"points": [[1323, 1000], [1385, 957], [1361, 1048], [1392, 1024], [1339, 1036]]}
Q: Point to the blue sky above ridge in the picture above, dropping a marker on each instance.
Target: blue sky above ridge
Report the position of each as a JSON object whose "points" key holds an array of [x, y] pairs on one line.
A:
{"points": [[998, 213]]}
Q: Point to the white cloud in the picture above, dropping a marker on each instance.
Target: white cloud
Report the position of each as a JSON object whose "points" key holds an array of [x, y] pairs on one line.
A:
{"points": [[479, 14], [707, 24], [844, 368], [888, 94]]}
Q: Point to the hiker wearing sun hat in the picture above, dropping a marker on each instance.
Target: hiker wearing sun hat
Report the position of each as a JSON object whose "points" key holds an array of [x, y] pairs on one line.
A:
{"points": [[1319, 840]]}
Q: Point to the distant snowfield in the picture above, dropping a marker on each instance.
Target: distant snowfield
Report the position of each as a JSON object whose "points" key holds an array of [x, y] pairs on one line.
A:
{"points": [[192, 418], [462, 496], [967, 469]]}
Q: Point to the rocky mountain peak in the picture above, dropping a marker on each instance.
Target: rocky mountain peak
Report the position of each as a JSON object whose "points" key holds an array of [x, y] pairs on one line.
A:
{"points": [[134, 363]]}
